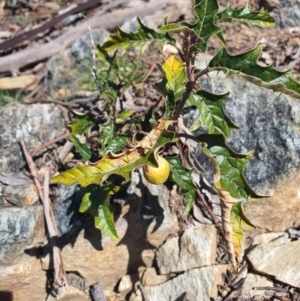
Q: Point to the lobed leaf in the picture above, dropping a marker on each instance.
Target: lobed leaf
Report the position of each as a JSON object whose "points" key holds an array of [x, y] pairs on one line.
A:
{"points": [[205, 26], [96, 202], [211, 113], [245, 65], [247, 17], [108, 141], [81, 124], [141, 38], [183, 177], [230, 167], [122, 164], [80, 148]]}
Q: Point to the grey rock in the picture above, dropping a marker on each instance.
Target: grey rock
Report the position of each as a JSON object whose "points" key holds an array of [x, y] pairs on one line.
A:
{"points": [[21, 195], [284, 203], [268, 125], [144, 214], [195, 248], [199, 284], [281, 261], [36, 124], [288, 15], [61, 69], [132, 25], [252, 281], [18, 224], [159, 222], [21, 232], [82, 47]]}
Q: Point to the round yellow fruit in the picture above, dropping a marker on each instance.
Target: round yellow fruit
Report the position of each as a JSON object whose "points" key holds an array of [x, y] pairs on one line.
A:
{"points": [[157, 175]]}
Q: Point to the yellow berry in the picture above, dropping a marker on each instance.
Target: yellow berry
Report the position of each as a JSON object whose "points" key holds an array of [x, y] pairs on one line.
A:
{"points": [[157, 175]]}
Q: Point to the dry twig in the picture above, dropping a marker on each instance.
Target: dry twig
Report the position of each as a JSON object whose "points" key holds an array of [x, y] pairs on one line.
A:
{"points": [[59, 273]]}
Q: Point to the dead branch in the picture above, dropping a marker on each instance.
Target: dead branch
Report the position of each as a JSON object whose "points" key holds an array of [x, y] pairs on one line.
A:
{"points": [[13, 62], [60, 275]]}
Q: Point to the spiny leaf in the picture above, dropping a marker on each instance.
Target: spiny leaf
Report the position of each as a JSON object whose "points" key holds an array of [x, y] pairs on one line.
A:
{"points": [[96, 202], [211, 113], [230, 165], [121, 165], [205, 26], [108, 141], [81, 124], [81, 148], [183, 177], [245, 65], [247, 17], [141, 38]]}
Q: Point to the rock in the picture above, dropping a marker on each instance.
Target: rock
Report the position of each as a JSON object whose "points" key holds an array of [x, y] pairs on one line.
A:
{"points": [[148, 257], [36, 124], [288, 15], [151, 278], [272, 239], [95, 256], [125, 284], [67, 294], [284, 205], [82, 47], [22, 231], [280, 261], [159, 221], [199, 284], [21, 195], [195, 248], [268, 125], [252, 281], [19, 228]]}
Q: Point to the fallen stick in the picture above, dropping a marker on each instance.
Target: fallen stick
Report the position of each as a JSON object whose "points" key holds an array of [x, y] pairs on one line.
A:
{"points": [[59, 272], [13, 62]]}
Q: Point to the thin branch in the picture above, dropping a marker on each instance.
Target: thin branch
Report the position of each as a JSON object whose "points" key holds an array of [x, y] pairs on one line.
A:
{"points": [[59, 271], [60, 275], [47, 144]]}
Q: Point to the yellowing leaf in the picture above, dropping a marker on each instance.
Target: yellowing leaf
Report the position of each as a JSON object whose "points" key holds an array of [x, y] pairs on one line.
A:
{"points": [[122, 164], [175, 72]]}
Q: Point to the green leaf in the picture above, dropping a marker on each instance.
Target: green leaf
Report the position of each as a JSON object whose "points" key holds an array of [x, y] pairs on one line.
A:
{"points": [[80, 148], [96, 202], [230, 166], [81, 124], [247, 17], [205, 26], [121, 165], [183, 177], [211, 113], [245, 65], [109, 142], [143, 37], [111, 95], [121, 118]]}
